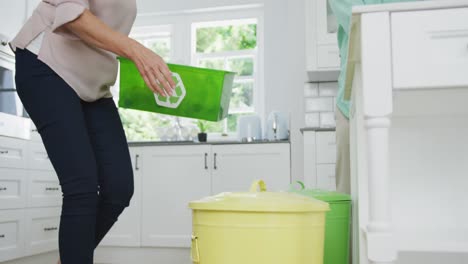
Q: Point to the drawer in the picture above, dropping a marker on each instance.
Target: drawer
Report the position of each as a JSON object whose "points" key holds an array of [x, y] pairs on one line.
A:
{"points": [[43, 227], [35, 136], [430, 48], [39, 160], [13, 184], [326, 147], [12, 232], [44, 189], [328, 56], [12, 152], [326, 177]]}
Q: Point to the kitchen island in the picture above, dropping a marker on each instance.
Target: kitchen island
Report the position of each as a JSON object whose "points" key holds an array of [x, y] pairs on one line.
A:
{"points": [[408, 82]]}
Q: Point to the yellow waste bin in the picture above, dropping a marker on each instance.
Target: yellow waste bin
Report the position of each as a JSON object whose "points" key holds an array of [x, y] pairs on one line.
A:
{"points": [[258, 227]]}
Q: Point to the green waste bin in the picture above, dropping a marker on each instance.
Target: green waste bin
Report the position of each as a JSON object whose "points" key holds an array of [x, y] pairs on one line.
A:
{"points": [[338, 223], [200, 93]]}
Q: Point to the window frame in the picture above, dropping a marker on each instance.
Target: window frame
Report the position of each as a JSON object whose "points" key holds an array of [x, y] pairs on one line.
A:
{"points": [[181, 32]]}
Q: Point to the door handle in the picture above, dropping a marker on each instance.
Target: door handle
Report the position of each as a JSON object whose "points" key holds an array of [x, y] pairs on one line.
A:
{"points": [[50, 229], [206, 161], [136, 162], [215, 165]]}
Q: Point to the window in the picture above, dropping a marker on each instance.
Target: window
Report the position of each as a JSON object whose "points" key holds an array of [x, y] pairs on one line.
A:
{"points": [[140, 125], [229, 45]]}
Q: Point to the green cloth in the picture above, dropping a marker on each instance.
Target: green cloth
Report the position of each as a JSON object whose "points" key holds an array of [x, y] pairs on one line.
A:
{"points": [[342, 11]]}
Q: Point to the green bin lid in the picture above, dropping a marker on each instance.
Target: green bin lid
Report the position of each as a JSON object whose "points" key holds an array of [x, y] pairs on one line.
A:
{"points": [[322, 195]]}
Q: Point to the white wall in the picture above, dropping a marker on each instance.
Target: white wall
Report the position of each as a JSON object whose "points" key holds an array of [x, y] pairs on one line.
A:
{"points": [[284, 55], [157, 6]]}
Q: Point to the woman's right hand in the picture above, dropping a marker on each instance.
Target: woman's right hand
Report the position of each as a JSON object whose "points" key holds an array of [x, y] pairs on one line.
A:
{"points": [[153, 69]]}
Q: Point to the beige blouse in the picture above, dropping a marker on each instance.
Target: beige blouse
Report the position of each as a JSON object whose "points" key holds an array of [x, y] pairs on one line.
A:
{"points": [[88, 70]]}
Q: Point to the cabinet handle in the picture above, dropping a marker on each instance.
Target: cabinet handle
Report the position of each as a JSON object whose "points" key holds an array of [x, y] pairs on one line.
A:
{"points": [[206, 161], [3, 151], [46, 229], [215, 165], [136, 162], [34, 130], [51, 188], [2, 236], [3, 188]]}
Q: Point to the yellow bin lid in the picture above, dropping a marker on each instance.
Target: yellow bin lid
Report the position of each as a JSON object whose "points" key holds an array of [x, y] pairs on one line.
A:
{"points": [[259, 200]]}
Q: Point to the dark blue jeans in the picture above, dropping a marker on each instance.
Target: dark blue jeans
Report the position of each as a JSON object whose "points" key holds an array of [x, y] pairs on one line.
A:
{"points": [[86, 144]]}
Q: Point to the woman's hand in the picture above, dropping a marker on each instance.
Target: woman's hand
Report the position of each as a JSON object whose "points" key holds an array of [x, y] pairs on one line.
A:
{"points": [[153, 69]]}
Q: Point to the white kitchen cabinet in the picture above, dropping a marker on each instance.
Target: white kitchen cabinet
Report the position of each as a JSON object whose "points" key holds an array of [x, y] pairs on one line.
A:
{"points": [[326, 147], [13, 184], [12, 231], [126, 232], [172, 177], [13, 14], [12, 152], [322, 52], [409, 132], [417, 34], [320, 159], [235, 167], [44, 189], [42, 227], [38, 158]]}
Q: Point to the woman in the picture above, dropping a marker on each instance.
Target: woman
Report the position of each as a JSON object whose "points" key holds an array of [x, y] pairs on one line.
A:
{"points": [[65, 64]]}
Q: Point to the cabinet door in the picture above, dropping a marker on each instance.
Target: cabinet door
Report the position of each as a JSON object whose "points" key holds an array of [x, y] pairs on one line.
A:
{"points": [[326, 147], [38, 158], [326, 177], [44, 189], [12, 152], [235, 167], [13, 191], [172, 176], [42, 230], [12, 231], [126, 231], [326, 23]]}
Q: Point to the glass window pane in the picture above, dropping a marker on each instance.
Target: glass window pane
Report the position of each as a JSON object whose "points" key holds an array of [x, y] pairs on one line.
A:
{"points": [[244, 66], [140, 125], [162, 47], [217, 63], [242, 96], [214, 127], [226, 38]]}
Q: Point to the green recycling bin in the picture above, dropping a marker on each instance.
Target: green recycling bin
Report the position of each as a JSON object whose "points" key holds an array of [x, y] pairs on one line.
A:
{"points": [[338, 223], [200, 93]]}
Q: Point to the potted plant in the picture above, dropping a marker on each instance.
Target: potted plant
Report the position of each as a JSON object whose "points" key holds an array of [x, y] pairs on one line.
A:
{"points": [[202, 135]]}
